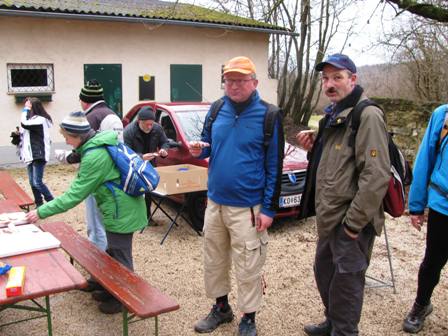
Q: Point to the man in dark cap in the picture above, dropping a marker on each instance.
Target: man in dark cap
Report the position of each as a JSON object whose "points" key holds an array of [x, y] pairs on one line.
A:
{"points": [[345, 187], [147, 139]]}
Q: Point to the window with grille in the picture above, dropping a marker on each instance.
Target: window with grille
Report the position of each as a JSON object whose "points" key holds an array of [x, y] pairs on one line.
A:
{"points": [[30, 78]]}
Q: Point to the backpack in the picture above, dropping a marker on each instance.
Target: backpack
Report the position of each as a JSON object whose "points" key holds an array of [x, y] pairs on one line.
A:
{"points": [[137, 177], [269, 118], [394, 200]]}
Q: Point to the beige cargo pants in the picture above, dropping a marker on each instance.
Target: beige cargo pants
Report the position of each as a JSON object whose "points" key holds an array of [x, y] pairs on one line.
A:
{"points": [[230, 234]]}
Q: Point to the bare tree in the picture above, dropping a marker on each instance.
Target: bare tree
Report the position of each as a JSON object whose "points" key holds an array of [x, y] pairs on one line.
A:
{"points": [[422, 47], [435, 10], [293, 57]]}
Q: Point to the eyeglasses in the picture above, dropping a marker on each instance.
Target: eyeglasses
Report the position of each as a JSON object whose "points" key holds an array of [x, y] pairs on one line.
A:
{"points": [[238, 82]]}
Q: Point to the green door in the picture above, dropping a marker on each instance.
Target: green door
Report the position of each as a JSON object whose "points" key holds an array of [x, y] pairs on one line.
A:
{"points": [[186, 82], [109, 75]]}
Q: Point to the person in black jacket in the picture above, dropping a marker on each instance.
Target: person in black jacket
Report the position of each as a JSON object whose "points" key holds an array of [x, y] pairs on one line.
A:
{"points": [[35, 146], [147, 139]]}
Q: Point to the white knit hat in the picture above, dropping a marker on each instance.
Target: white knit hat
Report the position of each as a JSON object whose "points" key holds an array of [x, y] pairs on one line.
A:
{"points": [[76, 123]]}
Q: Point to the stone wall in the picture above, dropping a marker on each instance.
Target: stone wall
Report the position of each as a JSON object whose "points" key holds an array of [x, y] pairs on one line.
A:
{"points": [[407, 120]]}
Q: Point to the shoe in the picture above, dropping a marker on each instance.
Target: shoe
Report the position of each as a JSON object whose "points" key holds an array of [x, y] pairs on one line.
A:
{"points": [[247, 327], [101, 295], [321, 329], [414, 321], [111, 306], [216, 317], [92, 285]]}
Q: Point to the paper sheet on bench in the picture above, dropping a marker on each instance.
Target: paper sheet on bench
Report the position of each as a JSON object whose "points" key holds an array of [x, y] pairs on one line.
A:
{"points": [[25, 239]]}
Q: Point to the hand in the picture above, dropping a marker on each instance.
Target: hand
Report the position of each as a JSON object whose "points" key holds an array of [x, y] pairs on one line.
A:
{"points": [[195, 147], [163, 153], [417, 221], [305, 139], [32, 216], [61, 155], [149, 156], [263, 222], [350, 234]]}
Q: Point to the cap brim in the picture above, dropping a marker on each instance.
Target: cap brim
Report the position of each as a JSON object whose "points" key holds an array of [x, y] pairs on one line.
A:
{"points": [[321, 66], [241, 71]]}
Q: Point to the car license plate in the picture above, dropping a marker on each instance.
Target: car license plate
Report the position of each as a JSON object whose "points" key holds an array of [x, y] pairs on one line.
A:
{"points": [[289, 201]]}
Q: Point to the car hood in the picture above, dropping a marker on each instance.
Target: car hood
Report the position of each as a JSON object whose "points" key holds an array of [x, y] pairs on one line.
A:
{"points": [[295, 158]]}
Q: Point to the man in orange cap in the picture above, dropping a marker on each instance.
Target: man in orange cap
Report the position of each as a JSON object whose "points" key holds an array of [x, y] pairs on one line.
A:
{"points": [[243, 189]]}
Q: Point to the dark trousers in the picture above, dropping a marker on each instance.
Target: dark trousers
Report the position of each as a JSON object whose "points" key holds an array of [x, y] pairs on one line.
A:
{"points": [[35, 176], [436, 256], [148, 201], [340, 267], [119, 247]]}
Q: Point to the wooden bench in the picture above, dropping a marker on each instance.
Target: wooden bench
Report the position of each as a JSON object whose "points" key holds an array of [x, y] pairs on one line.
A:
{"points": [[12, 191], [138, 297]]}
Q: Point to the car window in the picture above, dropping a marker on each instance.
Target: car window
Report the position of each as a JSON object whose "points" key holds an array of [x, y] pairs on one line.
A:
{"points": [[192, 123], [168, 126]]}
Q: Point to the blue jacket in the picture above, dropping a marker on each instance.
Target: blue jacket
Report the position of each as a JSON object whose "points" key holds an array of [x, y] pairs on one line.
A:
{"points": [[431, 167], [242, 172]]}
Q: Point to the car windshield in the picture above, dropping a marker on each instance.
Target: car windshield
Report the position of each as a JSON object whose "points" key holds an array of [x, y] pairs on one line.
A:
{"points": [[192, 120]]}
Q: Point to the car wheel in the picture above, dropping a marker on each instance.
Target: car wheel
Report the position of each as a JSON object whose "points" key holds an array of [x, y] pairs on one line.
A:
{"points": [[196, 204]]}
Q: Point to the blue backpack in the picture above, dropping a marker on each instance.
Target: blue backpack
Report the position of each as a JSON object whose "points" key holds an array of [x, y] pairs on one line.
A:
{"points": [[137, 177]]}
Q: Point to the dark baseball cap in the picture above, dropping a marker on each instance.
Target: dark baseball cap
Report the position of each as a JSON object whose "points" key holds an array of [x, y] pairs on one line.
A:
{"points": [[339, 61]]}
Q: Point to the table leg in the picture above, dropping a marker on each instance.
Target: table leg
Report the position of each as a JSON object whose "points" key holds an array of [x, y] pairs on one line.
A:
{"points": [[50, 326], [173, 222], [125, 322]]}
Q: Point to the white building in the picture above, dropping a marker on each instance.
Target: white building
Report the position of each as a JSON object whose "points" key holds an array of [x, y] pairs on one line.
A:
{"points": [[140, 49]]}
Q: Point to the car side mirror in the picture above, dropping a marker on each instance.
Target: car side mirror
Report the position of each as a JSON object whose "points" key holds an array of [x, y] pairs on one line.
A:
{"points": [[174, 144]]}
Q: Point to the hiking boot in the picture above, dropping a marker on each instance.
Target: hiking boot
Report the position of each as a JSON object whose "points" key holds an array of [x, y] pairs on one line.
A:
{"points": [[321, 329], [111, 306], [414, 321], [247, 327], [216, 317], [101, 295], [92, 285]]}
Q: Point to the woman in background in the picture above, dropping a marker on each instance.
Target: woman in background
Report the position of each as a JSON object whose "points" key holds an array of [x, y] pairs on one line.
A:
{"points": [[35, 147]]}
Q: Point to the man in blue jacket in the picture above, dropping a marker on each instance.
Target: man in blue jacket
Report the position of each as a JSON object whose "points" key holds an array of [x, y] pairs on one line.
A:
{"points": [[430, 189], [243, 187]]}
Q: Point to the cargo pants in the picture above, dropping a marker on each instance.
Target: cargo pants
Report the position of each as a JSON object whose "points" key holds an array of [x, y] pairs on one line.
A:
{"points": [[230, 235]]}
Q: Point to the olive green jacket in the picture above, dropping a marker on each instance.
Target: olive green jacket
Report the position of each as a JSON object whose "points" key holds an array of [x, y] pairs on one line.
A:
{"points": [[121, 213], [351, 181]]}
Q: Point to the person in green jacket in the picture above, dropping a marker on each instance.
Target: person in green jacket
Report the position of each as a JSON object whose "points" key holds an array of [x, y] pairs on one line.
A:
{"points": [[122, 214]]}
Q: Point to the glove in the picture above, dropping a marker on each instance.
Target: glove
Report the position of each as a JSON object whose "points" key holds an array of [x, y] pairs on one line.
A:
{"points": [[61, 155]]}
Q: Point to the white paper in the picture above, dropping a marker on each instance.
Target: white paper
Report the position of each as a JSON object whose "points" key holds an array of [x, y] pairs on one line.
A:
{"points": [[16, 240]]}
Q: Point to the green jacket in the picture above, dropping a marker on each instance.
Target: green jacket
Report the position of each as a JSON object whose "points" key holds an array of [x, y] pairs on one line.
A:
{"points": [[96, 168], [351, 182]]}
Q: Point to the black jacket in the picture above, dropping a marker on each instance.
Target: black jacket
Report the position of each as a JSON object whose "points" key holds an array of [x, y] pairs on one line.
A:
{"points": [[134, 138]]}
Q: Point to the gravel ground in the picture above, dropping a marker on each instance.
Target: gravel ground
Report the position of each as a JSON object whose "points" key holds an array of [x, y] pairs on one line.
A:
{"points": [[291, 298]]}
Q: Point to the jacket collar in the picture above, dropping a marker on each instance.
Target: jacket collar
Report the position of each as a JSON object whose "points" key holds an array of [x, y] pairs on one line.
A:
{"points": [[91, 107]]}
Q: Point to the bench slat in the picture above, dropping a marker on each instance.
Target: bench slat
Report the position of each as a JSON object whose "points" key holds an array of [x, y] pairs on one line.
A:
{"points": [[135, 293], [12, 191]]}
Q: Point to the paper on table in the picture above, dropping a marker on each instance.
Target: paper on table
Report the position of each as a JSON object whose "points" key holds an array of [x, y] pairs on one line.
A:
{"points": [[25, 239]]}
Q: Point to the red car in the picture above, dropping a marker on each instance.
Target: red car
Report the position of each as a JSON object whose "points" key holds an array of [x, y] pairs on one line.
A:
{"points": [[183, 122]]}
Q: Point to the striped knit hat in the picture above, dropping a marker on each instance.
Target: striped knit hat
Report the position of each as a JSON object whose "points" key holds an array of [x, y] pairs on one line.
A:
{"points": [[91, 92], [76, 123]]}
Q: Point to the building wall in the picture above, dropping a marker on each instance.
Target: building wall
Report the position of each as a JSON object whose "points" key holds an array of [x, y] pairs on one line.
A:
{"points": [[139, 48]]}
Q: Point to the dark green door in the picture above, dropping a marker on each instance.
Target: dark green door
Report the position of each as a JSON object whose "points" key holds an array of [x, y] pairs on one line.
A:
{"points": [[186, 82], [109, 75]]}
